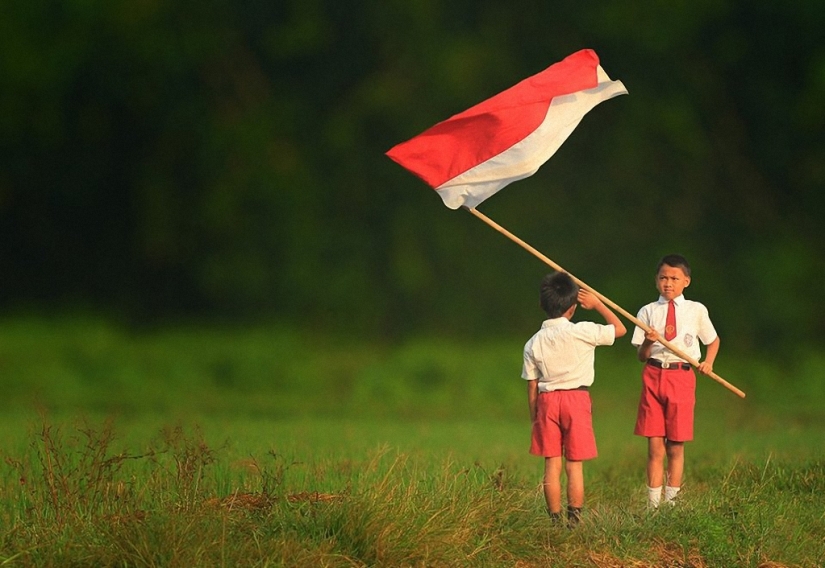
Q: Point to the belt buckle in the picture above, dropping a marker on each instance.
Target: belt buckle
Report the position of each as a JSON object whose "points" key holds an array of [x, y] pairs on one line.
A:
{"points": [[667, 365]]}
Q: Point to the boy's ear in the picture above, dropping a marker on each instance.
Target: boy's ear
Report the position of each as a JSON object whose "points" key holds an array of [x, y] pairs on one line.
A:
{"points": [[687, 281]]}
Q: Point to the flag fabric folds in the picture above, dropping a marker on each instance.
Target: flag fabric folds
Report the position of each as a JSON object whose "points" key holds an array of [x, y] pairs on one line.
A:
{"points": [[474, 154]]}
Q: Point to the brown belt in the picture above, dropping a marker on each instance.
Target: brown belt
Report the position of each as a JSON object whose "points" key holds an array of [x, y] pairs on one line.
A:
{"points": [[660, 365]]}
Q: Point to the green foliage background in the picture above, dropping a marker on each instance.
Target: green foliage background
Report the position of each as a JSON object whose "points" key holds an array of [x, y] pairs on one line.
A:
{"points": [[220, 159], [198, 224]]}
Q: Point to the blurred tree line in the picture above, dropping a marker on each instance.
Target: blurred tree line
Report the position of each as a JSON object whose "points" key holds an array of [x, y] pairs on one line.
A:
{"points": [[225, 159]]}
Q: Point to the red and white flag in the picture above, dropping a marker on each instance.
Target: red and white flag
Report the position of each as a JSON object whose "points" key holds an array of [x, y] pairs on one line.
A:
{"points": [[472, 155]]}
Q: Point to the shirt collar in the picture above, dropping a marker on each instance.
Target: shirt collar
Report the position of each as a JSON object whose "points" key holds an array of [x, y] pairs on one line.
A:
{"points": [[555, 322], [678, 300]]}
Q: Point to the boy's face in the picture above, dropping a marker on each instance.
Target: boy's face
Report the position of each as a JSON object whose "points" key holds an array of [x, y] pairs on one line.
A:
{"points": [[671, 281]]}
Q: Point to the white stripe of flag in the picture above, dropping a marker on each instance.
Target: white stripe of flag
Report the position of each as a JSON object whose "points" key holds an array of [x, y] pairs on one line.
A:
{"points": [[472, 155]]}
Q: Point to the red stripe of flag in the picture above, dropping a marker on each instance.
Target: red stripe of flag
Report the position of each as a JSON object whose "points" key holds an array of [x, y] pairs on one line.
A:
{"points": [[472, 155], [469, 138]]}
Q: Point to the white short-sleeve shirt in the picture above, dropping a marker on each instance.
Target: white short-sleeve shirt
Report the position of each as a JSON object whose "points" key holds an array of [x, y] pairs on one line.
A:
{"points": [[561, 354], [692, 325]]}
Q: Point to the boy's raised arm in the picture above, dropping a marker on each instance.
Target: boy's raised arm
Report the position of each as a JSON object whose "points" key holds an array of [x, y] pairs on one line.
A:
{"points": [[590, 301]]}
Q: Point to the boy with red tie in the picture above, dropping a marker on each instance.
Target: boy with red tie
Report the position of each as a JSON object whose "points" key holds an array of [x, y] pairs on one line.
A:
{"points": [[665, 414]]}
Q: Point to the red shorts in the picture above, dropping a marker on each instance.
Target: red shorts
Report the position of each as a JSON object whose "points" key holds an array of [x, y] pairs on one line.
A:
{"points": [[564, 426], [666, 405]]}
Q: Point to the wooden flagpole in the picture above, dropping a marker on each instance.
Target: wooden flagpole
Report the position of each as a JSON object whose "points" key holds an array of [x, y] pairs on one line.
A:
{"points": [[607, 301]]}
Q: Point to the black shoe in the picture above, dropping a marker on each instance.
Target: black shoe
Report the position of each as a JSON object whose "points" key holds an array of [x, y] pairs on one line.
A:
{"points": [[574, 516]]}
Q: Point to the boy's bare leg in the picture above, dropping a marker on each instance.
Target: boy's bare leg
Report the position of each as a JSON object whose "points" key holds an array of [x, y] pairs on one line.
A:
{"points": [[675, 463], [552, 484], [655, 461], [575, 483]]}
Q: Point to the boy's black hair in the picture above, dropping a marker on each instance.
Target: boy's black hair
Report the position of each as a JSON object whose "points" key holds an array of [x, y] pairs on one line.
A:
{"points": [[558, 293], [676, 261]]}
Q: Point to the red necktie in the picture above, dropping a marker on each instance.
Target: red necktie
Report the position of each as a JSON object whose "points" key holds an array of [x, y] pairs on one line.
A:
{"points": [[670, 323]]}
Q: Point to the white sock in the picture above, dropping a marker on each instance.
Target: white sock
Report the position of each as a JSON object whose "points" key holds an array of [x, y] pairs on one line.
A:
{"points": [[670, 494], [654, 496]]}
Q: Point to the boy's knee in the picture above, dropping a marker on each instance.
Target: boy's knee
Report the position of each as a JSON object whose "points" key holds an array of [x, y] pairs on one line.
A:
{"points": [[656, 455], [675, 449], [656, 452]]}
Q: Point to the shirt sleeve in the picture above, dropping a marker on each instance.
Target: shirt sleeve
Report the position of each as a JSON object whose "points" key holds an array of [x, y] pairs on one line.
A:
{"points": [[598, 334], [707, 333], [638, 333], [529, 370]]}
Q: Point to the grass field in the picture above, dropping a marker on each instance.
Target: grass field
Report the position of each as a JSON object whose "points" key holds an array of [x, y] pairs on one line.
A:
{"points": [[255, 448]]}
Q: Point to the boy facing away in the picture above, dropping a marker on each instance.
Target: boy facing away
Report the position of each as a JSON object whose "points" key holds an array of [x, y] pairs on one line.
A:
{"points": [[558, 365], [665, 415]]}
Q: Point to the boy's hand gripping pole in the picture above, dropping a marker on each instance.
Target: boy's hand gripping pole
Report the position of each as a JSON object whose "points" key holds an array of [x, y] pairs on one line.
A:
{"points": [[675, 350]]}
